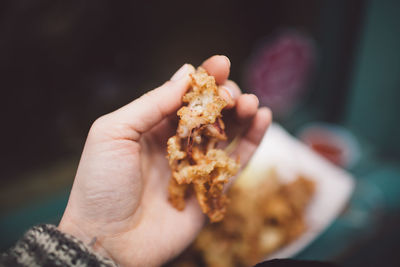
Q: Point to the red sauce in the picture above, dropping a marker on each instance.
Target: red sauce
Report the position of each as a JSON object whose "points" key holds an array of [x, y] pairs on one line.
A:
{"points": [[330, 152]]}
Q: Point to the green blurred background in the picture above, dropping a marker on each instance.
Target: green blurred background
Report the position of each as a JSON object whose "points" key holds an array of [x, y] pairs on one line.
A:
{"points": [[65, 63]]}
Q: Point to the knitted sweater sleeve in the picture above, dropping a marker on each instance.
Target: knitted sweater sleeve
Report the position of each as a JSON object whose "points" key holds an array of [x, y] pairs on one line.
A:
{"points": [[45, 245]]}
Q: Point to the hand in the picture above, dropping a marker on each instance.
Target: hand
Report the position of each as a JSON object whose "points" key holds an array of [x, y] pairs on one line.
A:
{"points": [[119, 196]]}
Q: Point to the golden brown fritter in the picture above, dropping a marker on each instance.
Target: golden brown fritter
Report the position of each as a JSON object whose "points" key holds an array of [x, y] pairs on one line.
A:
{"points": [[259, 220], [195, 161]]}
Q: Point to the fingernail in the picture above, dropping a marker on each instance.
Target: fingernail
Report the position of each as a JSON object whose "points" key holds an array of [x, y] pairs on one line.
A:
{"points": [[227, 59], [180, 73], [229, 90]]}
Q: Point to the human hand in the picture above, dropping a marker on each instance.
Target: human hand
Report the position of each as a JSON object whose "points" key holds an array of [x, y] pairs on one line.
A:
{"points": [[119, 196]]}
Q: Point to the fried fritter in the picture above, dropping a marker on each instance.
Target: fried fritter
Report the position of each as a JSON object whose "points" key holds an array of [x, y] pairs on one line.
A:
{"points": [[256, 224], [260, 219], [195, 161]]}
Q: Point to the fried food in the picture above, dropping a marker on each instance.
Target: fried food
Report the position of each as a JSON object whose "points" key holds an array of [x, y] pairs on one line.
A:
{"points": [[258, 222], [196, 164]]}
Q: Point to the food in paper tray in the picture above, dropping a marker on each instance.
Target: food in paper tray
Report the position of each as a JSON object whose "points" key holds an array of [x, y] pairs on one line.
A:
{"points": [[261, 218]]}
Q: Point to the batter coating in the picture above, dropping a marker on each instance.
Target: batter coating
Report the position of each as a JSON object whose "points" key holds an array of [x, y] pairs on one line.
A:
{"points": [[196, 164]]}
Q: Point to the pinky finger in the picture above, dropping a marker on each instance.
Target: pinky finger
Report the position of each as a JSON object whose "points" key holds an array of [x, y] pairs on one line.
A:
{"points": [[259, 125], [246, 107]]}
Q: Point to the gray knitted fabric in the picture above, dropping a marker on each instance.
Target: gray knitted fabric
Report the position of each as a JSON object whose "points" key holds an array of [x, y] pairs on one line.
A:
{"points": [[45, 245]]}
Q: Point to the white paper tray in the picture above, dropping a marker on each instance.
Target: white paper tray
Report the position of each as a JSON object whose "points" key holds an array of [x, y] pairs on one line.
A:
{"points": [[290, 157]]}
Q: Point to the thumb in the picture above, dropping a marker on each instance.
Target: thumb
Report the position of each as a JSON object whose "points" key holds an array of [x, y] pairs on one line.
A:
{"points": [[139, 116]]}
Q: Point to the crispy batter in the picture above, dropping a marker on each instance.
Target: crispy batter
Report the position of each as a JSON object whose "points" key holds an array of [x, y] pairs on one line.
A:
{"points": [[192, 154], [258, 222]]}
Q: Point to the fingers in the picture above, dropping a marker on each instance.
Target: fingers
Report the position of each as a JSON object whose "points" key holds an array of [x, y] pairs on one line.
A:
{"points": [[252, 137], [145, 112], [230, 91], [240, 119], [218, 66], [259, 125], [246, 107]]}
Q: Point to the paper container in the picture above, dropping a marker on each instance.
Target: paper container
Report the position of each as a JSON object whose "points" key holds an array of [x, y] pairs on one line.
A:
{"points": [[290, 157]]}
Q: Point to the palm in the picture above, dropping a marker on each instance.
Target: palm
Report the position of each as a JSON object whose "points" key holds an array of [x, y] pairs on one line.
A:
{"points": [[154, 221]]}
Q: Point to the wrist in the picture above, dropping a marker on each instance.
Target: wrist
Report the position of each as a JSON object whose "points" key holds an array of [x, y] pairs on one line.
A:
{"points": [[77, 230]]}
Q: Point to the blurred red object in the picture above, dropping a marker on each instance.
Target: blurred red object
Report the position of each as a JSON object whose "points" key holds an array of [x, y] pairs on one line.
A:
{"points": [[329, 151], [333, 142], [278, 71]]}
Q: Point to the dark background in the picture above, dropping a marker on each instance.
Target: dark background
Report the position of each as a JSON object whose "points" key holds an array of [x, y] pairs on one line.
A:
{"points": [[65, 63]]}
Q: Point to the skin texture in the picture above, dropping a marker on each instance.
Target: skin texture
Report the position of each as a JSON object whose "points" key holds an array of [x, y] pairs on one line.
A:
{"points": [[118, 201]]}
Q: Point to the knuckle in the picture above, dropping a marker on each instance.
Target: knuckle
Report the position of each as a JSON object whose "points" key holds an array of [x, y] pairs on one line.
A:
{"points": [[167, 83], [99, 125], [146, 96]]}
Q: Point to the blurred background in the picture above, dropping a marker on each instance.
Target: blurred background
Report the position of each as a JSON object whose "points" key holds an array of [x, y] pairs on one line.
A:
{"points": [[326, 68]]}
